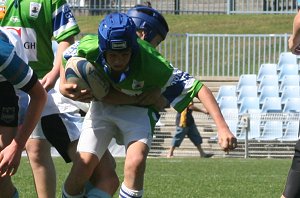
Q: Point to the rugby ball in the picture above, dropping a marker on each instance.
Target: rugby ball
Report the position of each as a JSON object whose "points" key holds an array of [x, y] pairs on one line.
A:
{"points": [[83, 73]]}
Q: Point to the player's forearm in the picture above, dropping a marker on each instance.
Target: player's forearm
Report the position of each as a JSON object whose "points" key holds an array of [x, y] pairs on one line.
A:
{"points": [[36, 105], [115, 97], [209, 102], [63, 45]]}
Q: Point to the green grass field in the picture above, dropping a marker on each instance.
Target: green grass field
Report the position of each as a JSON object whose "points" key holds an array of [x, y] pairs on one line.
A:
{"points": [[194, 177], [190, 177], [212, 24]]}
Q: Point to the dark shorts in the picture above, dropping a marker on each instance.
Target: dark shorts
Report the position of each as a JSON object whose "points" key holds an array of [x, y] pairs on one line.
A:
{"points": [[292, 187], [56, 133], [8, 105]]}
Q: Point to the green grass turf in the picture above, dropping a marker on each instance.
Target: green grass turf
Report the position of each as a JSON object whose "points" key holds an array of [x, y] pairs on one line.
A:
{"points": [[212, 24], [189, 177]]}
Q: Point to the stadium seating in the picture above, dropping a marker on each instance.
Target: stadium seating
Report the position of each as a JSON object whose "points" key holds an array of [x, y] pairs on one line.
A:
{"points": [[266, 69], [271, 130], [268, 80], [231, 118], [226, 90], [254, 125], [289, 92], [246, 79], [246, 91], [291, 132], [271, 105], [288, 69], [289, 80], [249, 103], [291, 105], [286, 58], [268, 91], [228, 102]]}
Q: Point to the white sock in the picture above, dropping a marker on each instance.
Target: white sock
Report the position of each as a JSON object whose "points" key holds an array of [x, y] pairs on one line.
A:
{"points": [[129, 193], [66, 195]]}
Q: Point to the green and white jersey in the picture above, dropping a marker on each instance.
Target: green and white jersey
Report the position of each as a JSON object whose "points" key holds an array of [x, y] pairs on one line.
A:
{"points": [[37, 22], [148, 69]]}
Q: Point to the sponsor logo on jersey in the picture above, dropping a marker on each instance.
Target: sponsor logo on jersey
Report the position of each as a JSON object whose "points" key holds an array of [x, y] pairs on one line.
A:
{"points": [[8, 114], [14, 19], [137, 84], [34, 9], [28, 37]]}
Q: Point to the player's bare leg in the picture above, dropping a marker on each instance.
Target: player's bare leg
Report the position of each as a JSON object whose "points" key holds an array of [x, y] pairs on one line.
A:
{"points": [[39, 154], [134, 169], [7, 188]]}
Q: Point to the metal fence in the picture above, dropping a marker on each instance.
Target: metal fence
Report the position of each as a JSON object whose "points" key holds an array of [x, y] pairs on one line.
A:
{"points": [[223, 54], [190, 6]]}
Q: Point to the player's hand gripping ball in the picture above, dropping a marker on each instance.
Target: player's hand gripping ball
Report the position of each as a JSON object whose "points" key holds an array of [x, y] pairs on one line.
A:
{"points": [[83, 73]]}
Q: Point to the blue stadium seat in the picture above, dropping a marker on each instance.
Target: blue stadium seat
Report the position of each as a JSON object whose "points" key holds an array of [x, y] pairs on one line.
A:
{"points": [[249, 103], [231, 118], [288, 69], [226, 90], [289, 80], [266, 69], [268, 91], [286, 58], [268, 80], [291, 132], [246, 91], [291, 105], [289, 92], [255, 125], [246, 80], [228, 102], [271, 130], [271, 105]]}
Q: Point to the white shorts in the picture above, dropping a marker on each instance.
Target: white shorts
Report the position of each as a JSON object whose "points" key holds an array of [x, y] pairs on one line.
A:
{"points": [[125, 123], [56, 104]]}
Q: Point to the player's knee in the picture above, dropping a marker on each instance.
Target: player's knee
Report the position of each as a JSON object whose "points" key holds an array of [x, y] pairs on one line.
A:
{"points": [[135, 166]]}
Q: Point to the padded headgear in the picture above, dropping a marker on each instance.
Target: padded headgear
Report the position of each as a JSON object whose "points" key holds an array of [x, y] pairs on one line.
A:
{"points": [[117, 32], [149, 20]]}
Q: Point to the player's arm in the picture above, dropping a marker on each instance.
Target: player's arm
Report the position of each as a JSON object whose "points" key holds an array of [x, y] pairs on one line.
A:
{"points": [[151, 97], [294, 40], [226, 139], [195, 108], [71, 90], [10, 155]]}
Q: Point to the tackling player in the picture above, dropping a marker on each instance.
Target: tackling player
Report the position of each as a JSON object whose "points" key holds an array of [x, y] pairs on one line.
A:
{"points": [[133, 66]]}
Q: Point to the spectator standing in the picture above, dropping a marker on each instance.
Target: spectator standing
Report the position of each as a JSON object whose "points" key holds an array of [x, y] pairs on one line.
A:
{"points": [[185, 125]]}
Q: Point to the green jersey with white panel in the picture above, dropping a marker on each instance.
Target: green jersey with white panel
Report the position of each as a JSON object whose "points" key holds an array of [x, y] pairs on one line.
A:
{"points": [[147, 69], [37, 22]]}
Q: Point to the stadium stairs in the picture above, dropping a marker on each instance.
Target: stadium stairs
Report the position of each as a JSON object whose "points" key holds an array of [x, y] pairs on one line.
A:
{"points": [[256, 149]]}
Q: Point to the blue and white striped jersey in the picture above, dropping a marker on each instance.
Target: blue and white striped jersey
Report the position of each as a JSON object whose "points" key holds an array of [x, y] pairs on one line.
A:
{"points": [[13, 62]]}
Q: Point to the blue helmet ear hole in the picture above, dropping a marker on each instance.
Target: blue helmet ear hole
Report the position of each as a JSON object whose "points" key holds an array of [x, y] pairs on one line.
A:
{"points": [[144, 16]]}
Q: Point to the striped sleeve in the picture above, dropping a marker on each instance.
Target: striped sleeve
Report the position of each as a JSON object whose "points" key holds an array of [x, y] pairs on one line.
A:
{"points": [[12, 67], [64, 23]]}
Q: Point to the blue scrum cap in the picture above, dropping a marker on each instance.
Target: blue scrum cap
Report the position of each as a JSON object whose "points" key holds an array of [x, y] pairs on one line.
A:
{"points": [[149, 20]]}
